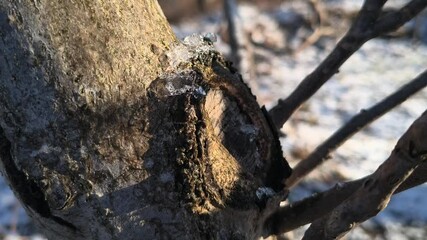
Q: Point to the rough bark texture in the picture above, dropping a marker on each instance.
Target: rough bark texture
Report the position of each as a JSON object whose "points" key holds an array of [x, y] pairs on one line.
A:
{"points": [[112, 129]]}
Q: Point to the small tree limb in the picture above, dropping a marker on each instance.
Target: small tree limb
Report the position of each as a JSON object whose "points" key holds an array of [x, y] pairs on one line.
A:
{"points": [[321, 30], [309, 209], [367, 25], [230, 9], [413, 144], [241, 49], [359, 121], [376, 191], [396, 19]]}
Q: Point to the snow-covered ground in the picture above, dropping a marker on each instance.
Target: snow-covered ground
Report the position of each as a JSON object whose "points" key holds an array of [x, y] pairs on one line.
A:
{"points": [[378, 69]]}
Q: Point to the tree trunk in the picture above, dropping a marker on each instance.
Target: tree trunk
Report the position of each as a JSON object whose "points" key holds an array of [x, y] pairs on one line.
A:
{"points": [[110, 128]]}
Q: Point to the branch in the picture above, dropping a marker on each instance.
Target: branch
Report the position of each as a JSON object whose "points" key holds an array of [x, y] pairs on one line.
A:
{"points": [[366, 26], [375, 193], [319, 16], [242, 54], [307, 210], [396, 19], [230, 9], [355, 124]]}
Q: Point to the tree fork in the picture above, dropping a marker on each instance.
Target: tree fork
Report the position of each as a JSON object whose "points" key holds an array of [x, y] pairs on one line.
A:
{"points": [[111, 128]]}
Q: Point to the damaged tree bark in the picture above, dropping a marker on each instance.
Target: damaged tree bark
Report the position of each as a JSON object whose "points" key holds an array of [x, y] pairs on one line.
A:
{"points": [[110, 128]]}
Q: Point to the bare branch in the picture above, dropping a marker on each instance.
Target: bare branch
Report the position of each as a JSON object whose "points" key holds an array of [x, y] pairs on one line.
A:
{"points": [[355, 124], [307, 210], [242, 52], [230, 9], [376, 191], [365, 27], [396, 19], [321, 30], [366, 19]]}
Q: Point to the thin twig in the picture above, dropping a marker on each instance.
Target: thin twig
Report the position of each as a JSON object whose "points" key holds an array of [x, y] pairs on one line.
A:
{"points": [[366, 26], [230, 9], [353, 126], [201, 4], [309, 209], [313, 38], [242, 51], [15, 216], [320, 31], [248, 67]]}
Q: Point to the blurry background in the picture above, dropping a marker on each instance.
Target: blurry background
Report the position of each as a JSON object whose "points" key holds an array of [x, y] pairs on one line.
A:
{"points": [[279, 42]]}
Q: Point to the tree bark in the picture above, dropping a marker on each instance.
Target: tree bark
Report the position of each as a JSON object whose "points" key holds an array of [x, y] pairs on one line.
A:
{"points": [[110, 128]]}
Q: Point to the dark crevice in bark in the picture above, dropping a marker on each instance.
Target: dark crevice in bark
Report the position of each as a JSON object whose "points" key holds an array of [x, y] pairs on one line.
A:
{"points": [[212, 188], [279, 169], [28, 190], [63, 222], [194, 178]]}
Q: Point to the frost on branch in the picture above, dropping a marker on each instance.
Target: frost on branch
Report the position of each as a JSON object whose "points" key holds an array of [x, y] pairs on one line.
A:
{"points": [[193, 48]]}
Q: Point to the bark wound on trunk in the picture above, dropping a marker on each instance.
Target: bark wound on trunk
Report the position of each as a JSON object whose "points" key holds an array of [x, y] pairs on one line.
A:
{"points": [[112, 129]]}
